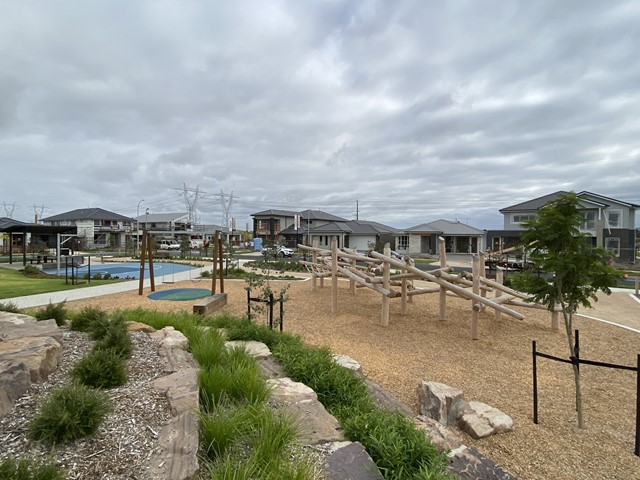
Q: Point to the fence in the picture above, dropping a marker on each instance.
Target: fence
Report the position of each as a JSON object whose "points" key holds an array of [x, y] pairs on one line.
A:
{"points": [[271, 301], [576, 360]]}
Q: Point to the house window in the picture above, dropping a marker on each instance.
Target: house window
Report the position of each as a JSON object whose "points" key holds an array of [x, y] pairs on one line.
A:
{"points": [[612, 244], [403, 242], [590, 221], [519, 217], [614, 218]]}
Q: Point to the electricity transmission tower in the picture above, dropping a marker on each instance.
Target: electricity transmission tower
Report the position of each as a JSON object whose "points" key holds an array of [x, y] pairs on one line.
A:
{"points": [[191, 197], [8, 209], [37, 212], [226, 202]]}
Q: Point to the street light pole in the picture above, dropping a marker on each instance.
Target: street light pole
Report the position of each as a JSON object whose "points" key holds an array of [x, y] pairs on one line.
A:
{"points": [[135, 248]]}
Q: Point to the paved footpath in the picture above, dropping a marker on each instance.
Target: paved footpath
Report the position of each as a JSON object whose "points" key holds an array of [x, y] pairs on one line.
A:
{"points": [[621, 308]]}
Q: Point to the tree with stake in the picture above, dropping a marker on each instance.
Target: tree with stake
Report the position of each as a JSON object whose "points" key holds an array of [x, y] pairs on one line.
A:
{"points": [[580, 270]]}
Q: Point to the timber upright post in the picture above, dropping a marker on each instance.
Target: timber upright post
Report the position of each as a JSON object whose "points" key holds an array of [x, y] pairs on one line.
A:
{"points": [[386, 273], [221, 264], [500, 280], [483, 272], [214, 272], [334, 275], [476, 290], [314, 260], [443, 291], [151, 276], [143, 251]]}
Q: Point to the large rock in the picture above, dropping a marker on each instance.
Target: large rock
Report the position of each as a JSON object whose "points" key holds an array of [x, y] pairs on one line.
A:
{"points": [[469, 464], [350, 461], [481, 420], [181, 389], [14, 382], [257, 350], [16, 318], [20, 328], [443, 437], [170, 337], [348, 362], [439, 401], [41, 355], [301, 402], [176, 458]]}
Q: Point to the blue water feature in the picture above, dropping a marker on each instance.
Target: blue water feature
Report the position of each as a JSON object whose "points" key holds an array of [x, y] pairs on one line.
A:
{"points": [[130, 269]]}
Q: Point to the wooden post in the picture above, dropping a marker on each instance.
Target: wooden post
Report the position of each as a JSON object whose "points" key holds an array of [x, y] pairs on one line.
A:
{"points": [[314, 259], [483, 272], [637, 285], [352, 282], [214, 272], [334, 275], [476, 290], [386, 273], [221, 260], [500, 280], [151, 275], [443, 291], [409, 261], [143, 251]]}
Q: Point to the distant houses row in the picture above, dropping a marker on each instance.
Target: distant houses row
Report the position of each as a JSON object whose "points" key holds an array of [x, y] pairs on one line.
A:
{"points": [[609, 223]]}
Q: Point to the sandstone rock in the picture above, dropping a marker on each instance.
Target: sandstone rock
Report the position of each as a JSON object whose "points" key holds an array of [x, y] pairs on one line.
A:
{"points": [[40, 354], [16, 318], [255, 349], [45, 328], [383, 398], [439, 401], [14, 382], [351, 462], [181, 389], [271, 368], [140, 327], [177, 455], [442, 437], [175, 359], [347, 362], [301, 402], [481, 420], [469, 464], [171, 337]]}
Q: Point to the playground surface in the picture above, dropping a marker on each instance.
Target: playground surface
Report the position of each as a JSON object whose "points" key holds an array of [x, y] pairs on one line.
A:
{"points": [[496, 369]]}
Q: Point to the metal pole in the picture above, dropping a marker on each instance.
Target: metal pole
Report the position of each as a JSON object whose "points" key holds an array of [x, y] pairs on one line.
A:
{"points": [[249, 304], [281, 312], [271, 311], [135, 248], [535, 383]]}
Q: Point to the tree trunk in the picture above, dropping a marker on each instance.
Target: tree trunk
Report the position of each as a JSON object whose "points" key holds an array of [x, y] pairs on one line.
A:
{"points": [[568, 323]]}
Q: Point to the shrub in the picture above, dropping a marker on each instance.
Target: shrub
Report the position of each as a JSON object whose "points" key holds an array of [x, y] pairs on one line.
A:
{"points": [[116, 339], [83, 319], [57, 311], [9, 307], [97, 276], [75, 411], [205, 274], [31, 270], [11, 469], [100, 369], [101, 326]]}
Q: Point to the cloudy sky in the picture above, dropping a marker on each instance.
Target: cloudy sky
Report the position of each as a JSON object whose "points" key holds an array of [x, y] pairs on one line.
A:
{"points": [[409, 110]]}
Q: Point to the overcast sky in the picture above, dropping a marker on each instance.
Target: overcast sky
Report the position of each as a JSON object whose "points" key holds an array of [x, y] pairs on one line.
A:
{"points": [[412, 110]]}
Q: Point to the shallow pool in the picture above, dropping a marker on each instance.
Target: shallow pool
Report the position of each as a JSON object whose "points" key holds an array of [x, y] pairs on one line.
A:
{"points": [[128, 269]]}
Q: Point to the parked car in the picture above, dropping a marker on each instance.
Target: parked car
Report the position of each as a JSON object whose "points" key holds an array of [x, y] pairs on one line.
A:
{"points": [[165, 244], [284, 251]]}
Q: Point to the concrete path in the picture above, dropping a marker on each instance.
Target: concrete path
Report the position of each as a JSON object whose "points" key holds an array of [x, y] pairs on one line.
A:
{"points": [[621, 308]]}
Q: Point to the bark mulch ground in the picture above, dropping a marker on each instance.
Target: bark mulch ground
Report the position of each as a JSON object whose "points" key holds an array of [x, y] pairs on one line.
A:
{"points": [[495, 369]]}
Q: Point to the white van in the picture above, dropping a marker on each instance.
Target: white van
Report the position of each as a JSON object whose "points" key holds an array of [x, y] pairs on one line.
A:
{"points": [[165, 244]]}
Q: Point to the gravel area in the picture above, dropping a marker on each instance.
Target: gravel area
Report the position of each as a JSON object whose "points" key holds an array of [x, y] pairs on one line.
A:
{"points": [[495, 369], [123, 445]]}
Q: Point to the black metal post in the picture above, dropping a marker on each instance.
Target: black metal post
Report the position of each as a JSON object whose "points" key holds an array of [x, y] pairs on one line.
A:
{"points": [[637, 450], [249, 304], [281, 312], [271, 311], [535, 384]]}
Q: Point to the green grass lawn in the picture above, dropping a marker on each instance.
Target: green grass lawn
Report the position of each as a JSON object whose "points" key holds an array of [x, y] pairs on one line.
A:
{"points": [[14, 283]]}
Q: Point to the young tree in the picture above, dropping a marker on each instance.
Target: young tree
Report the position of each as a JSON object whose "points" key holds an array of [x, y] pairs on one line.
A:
{"points": [[579, 269]]}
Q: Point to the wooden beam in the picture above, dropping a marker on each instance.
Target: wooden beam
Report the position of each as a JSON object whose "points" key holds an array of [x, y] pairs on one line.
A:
{"points": [[361, 283], [334, 275], [386, 271], [500, 280], [476, 290], [443, 291]]}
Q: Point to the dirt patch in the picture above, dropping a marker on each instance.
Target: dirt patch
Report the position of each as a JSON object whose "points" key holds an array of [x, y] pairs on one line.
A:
{"points": [[495, 369]]}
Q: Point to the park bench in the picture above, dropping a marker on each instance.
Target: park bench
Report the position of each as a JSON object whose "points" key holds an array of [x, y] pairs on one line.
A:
{"points": [[210, 304]]}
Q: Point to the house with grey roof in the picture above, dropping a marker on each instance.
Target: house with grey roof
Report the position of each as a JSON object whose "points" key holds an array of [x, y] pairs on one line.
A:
{"points": [[608, 223], [6, 222], [359, 235], [422, 240], [269, 224], [96, 227]]}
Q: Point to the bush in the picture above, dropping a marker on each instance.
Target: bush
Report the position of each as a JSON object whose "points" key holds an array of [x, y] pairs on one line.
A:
{"points": [[97, 276], [116, 339], [100, 369], [57, 311], [11, 469], [205, 274], [31, 270], [101, 326], [83, 319], [9, 307], [73, 412]]}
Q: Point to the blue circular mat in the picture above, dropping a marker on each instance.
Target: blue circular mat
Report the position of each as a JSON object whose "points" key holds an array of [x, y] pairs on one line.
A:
{"points": [[180, 294]]}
